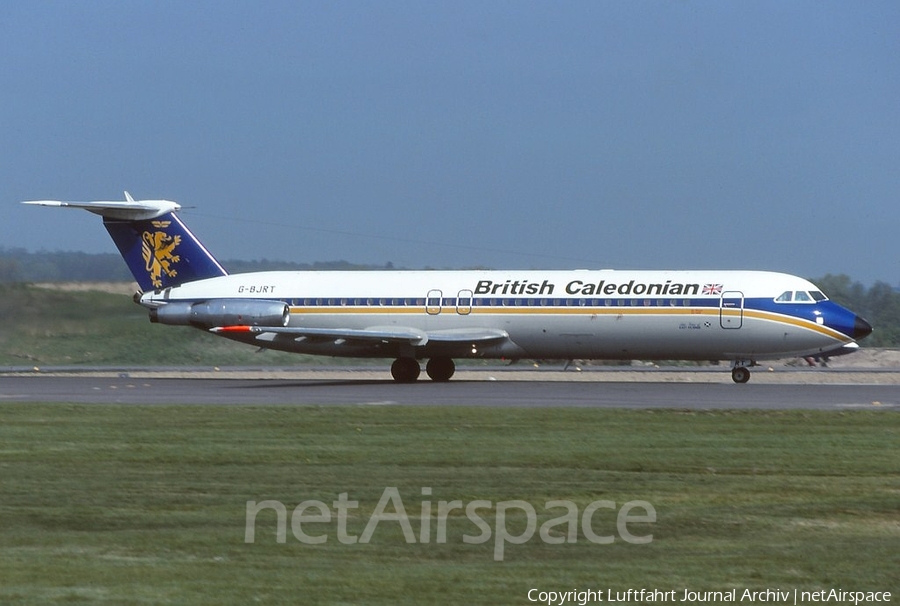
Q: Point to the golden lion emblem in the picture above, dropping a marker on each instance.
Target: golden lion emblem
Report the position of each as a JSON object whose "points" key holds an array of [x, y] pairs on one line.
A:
{"points": [[158, 250]]}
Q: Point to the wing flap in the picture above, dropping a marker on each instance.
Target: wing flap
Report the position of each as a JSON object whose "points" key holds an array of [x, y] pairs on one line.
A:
{"points": [[411, 336]]}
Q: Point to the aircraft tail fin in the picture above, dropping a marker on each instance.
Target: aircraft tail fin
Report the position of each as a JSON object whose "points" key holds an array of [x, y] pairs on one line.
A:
{"points": [[159, 249]]}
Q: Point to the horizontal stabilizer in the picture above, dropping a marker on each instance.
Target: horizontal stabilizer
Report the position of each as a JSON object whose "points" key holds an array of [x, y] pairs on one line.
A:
{"points": [[126, 211]]}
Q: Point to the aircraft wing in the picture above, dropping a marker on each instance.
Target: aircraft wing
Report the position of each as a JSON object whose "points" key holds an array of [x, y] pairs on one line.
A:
{"points": [[378, 334]]}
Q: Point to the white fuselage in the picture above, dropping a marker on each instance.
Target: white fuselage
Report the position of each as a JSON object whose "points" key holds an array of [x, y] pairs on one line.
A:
{"points": [[606, 314]]}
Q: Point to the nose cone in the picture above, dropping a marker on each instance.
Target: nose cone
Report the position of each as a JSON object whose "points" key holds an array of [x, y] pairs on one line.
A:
{"points": [[844, 321], [861, 329]]}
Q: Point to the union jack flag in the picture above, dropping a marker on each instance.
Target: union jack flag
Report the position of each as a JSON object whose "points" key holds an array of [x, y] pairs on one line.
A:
{"points": [[712, 289]]}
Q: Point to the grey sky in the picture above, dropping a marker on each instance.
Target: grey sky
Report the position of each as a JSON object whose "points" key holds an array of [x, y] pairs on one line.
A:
{"points": [[758, 135]]}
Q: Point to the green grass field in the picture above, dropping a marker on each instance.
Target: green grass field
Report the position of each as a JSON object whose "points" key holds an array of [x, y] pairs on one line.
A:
{"points": [[147, 504]]}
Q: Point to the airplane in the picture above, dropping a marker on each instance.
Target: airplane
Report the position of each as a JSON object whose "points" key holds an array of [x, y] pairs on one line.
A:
{"points": [[739, 316]]}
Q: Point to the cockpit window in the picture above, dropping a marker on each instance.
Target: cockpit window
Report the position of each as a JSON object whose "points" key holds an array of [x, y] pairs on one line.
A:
{"points": [[784, 297], [800, 296]]}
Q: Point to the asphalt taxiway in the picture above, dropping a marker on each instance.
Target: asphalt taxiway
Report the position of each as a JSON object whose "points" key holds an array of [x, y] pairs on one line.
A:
{"points": [[372, 389]]}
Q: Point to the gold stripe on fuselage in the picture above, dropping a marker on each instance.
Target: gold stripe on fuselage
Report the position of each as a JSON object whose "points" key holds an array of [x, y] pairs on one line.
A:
{"points": [[576, 311]]}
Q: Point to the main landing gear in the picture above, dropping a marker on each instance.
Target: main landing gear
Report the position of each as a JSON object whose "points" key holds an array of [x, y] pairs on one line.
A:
{"points": [[406, 370]]}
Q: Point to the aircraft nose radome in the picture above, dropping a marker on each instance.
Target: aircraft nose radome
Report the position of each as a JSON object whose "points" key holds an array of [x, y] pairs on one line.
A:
{"points": [[861, 328]]}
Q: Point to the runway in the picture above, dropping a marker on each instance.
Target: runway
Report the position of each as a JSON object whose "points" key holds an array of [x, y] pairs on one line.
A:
{"points": [[348, 389]]}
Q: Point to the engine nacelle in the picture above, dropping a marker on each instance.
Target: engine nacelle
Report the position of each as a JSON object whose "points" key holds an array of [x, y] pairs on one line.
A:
{"points": [[222, 312]]}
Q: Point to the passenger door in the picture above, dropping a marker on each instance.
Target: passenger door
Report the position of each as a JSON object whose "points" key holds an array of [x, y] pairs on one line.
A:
{"points": [[731, 309]]}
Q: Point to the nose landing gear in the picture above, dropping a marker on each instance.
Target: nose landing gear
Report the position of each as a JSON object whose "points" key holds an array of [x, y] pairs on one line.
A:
{"points": [[740, 374], [740, 371]]}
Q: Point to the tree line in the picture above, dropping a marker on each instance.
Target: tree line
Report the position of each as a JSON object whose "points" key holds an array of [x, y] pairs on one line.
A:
{"points": [[20, 265]]}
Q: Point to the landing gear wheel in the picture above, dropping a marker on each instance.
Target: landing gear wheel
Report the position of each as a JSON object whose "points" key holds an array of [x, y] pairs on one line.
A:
{"points": [[405, 370], [740, 374], [440, 369]]}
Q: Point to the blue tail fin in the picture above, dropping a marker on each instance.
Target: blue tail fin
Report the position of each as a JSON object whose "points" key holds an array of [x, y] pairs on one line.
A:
{"points": [[162, 252], [159, 249]]}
